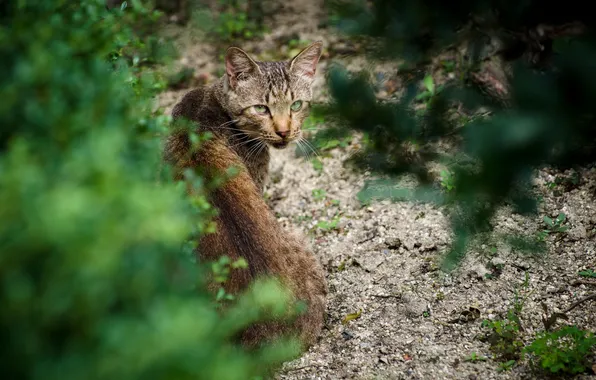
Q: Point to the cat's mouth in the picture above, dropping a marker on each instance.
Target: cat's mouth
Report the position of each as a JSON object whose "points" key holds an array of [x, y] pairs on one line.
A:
{"points": [[280, 144]]}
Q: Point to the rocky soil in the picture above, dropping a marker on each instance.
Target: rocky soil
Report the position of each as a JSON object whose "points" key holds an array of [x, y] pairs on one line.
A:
{"points": [[413, 321]]}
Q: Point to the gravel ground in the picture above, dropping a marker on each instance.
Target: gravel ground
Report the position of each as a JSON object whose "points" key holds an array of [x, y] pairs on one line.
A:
{"points": [[382, 259]]}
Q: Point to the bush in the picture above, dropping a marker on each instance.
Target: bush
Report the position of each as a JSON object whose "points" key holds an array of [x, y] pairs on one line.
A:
{"points": [[96, 280], [519, 61], [230, 20], [566, 350]]}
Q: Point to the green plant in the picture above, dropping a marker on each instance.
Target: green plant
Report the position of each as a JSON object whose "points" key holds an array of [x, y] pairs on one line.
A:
{"points": [[320, 139], [504, 337], [553, 226], [351, 317], [430, 89], [221, 271], [319, 194], [557, 224], [506, 366], [563, 351], [234, 24], [313, 122], [447, 181], [324, 145], [325, 225], [97, 274], [317, 164], [233, 19], [588, 273], [448, 65], [474, 357]]}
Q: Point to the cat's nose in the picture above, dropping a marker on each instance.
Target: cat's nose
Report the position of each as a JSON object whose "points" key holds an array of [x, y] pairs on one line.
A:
{"points": [[282, 134]]}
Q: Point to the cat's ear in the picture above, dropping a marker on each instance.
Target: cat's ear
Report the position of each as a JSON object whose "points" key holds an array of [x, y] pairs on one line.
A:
{"points": [[239, 65], [305, 63]]}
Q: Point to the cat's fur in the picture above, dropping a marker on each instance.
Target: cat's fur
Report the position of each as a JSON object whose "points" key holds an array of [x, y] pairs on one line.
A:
{"points": [[246, 227]]}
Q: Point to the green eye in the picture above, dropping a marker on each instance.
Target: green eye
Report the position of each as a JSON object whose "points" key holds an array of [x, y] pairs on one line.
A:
{"points": [[261, 109], [296, 105]]}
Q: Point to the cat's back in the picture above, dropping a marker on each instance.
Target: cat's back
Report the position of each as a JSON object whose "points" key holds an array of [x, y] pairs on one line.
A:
{"points": [[190, 105], [200, 106]]}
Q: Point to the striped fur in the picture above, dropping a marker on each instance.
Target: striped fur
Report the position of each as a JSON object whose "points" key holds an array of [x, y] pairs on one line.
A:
{"points": [[246, 227]]}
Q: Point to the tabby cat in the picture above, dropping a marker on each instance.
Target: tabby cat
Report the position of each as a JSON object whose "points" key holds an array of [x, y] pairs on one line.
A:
{"points": [[254, 106]]}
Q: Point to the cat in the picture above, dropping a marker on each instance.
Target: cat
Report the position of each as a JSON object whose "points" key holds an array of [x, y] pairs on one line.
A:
{"points": [[252, 107]]}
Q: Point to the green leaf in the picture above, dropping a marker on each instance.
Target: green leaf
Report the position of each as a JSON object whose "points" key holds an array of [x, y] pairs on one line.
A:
{"points": [[317, 165], [588, 273], [424, 95], [351, 317], [330, 144], [549, 222], [241, 263], [220, 294], [429, 83]]}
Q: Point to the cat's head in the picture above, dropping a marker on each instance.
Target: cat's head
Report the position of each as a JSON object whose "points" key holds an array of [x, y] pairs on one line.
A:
{"points": [[270, 100]]}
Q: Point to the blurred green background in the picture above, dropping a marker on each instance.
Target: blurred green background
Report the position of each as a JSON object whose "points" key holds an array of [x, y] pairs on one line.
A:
{"points": [[97, 280]]}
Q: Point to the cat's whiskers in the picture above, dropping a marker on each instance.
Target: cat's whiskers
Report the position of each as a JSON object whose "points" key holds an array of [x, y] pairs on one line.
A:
{"points": [[303, 149], [262, 146], [228, 123], [241, 143], [254, 151], [309, 145]]}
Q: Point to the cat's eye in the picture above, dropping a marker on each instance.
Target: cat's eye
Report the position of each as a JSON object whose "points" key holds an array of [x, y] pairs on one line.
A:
{"points": [[261, 109], [296, 106]]}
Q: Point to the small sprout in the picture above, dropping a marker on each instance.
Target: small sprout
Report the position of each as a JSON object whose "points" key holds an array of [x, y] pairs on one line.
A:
{"points": [[506, 366], [319, 194], [317, 165], [447, 180], [588, 273], [448, 65], [429, 83], [351, 317], [552, 226], [328, 225], [474, 357]]}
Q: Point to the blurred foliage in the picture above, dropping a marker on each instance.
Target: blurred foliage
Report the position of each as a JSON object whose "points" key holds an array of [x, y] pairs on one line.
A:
{"points": [[521, 97], [96, 280], [227, 21]]}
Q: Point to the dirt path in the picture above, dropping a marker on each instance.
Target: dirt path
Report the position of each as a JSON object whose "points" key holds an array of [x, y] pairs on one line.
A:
{"points": [[382, 259]]}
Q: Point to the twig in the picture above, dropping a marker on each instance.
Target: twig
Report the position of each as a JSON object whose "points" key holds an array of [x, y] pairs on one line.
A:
{"points": [[297, 368], [367, 239], [583, 282], [387, 295], [577, 303], [303, 367]]}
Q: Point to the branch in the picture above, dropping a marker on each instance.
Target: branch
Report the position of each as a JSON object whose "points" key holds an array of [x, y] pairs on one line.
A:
{"points": [[583, 282], [579, 302]]}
